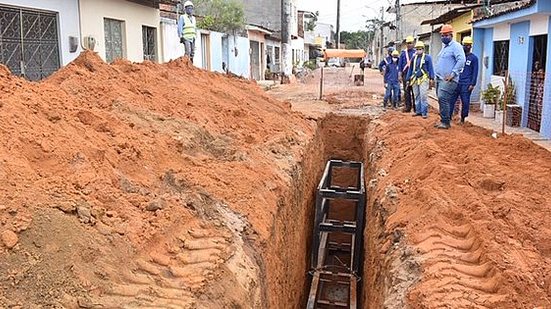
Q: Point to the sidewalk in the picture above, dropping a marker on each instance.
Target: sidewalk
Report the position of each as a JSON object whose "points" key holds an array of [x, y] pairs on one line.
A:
{"points": [[490, 124]]}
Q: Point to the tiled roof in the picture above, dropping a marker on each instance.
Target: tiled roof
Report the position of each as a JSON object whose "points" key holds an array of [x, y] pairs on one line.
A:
{"points": [[505, 8]]}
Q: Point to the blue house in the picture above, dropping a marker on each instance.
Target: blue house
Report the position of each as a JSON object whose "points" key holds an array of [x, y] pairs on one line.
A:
{"points": [[516, 40]]}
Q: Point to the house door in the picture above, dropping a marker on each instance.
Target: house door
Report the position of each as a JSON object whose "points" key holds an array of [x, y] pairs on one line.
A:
{"points": [[29, 44], [205, 49], [255, 60], [114, 47], [225, 54], [149, 39], [537, 82]]}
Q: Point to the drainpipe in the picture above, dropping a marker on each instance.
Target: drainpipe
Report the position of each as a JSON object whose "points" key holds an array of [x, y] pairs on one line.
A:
{"points": [[80, 27]]}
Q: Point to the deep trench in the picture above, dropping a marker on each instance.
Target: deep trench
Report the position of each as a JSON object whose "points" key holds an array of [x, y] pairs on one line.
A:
{"points": [[286, 261]]}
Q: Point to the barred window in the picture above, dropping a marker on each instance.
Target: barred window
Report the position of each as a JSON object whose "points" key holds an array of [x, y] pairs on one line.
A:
{"points": [[501, 57]]}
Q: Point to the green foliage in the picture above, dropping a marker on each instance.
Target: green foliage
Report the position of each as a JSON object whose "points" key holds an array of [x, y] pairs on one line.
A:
{"points": [[311, 64], [227, 16], [311, 24], [511, 93], [357, 40], [491, 95]]}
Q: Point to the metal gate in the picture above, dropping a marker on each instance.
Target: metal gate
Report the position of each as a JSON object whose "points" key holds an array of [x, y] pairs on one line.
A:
{"points": [[113, 39], [29, 44], [537, 82]]}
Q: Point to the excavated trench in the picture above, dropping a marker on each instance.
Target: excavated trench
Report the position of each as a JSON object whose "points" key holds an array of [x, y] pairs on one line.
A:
{"points": [[286, 258]]}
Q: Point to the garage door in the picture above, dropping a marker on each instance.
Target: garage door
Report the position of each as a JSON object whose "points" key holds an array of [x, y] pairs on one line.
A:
{"points": [[29, 44]]}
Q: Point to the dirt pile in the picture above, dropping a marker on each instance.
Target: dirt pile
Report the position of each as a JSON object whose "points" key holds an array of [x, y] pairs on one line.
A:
{"points": [[464, 218], [170, 170]]}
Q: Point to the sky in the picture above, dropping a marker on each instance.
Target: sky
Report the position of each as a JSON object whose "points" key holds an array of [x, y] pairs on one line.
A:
{"points": [[354, 13]]}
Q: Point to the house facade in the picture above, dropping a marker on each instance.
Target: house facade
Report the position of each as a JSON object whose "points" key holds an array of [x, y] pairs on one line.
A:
{"points": [[516, 42], [122, 29], [38, 37]]}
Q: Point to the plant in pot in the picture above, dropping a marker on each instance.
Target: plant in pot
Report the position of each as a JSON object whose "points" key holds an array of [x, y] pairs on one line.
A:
{"points": [[490, 96], [509, 94]]}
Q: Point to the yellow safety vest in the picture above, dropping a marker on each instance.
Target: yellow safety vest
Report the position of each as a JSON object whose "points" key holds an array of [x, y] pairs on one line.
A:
{"points": [[414, 78], [189, 29]]}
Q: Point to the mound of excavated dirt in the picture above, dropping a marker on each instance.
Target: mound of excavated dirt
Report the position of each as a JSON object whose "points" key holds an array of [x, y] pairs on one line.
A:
{"points": [[135, 184], [465, 217]]}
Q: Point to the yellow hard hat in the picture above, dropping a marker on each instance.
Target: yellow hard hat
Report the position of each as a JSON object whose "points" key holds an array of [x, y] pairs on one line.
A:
{"points": [[467, 40], [409, 39], [420, 44], [395, 53]]}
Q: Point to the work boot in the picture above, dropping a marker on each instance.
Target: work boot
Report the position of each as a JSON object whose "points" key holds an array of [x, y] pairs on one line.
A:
{"points": [[416, 115], [443, 126], [462, 121]]}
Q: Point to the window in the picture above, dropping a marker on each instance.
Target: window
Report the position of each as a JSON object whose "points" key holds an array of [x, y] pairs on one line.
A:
{"points": [[149, 38], [113, 39], [501, 57]]}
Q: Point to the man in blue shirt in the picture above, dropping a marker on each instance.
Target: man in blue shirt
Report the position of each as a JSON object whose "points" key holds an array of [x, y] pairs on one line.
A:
{"points": [[403, 65], [449, 66], [420, 77], [392, 84], [467, 79]]}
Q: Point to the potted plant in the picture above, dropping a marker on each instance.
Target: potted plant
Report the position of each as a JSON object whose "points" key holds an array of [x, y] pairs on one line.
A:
{"points": [[511, 94], [490, 98]]}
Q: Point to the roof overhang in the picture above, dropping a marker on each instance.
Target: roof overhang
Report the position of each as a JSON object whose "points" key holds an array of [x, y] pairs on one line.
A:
{"points": [[450, 15], [258, 29], [515, 14]]}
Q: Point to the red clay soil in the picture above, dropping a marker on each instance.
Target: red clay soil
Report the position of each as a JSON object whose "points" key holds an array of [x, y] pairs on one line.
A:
{"points": [[141, 185], [466, 217]]}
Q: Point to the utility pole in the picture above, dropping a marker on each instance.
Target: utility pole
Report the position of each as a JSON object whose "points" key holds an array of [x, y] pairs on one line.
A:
{"points": [[338, 23], [286, 51], [382, 32], [398, 22]]}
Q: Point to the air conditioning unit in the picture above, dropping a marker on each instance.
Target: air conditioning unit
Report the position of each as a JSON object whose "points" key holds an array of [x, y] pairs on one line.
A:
{"points": [[89, 42]]}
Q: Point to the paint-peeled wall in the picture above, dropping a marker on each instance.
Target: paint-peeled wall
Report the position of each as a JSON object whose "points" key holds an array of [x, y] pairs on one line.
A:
{"points": [[68, 21], [134, 16]]}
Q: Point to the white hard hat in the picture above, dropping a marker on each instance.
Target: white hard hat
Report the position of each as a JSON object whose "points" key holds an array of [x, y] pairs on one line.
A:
{"points": [[188, 3]]}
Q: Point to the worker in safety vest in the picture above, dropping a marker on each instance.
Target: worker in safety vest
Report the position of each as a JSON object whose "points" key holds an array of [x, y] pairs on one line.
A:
{"points": [[383, 63], [449, 66], [467, 79], [420, 77], [404, 64], [392, 84], [187, 29]]}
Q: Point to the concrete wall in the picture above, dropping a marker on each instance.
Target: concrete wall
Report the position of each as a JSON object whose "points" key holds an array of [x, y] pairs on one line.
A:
{"points": [[134, 16], [519, 56], [265, 13], [239, 64], [461, 24], [546, 113], [170, 42], [68, 21], [478, 51]]}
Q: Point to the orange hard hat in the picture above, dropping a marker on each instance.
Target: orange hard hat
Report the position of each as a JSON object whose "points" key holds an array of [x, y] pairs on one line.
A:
{"points": [[446, 29]]}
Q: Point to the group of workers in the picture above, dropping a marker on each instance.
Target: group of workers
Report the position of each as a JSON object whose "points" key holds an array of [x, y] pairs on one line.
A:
{"points": [[454, 75]]}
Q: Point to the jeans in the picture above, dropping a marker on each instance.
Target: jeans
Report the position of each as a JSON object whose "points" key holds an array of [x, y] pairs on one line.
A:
{"points": [[409, 94], [392, 93], [465, 95], [446, 92], [189, 48], [421, 98]]}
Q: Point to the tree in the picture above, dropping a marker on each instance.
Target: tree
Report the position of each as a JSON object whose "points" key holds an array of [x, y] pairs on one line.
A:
{"points": [[311, 24], [357, 40], [227, 16]]}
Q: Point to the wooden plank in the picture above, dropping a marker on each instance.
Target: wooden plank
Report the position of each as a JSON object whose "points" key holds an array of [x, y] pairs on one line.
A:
{"points": [[313, 291]]}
